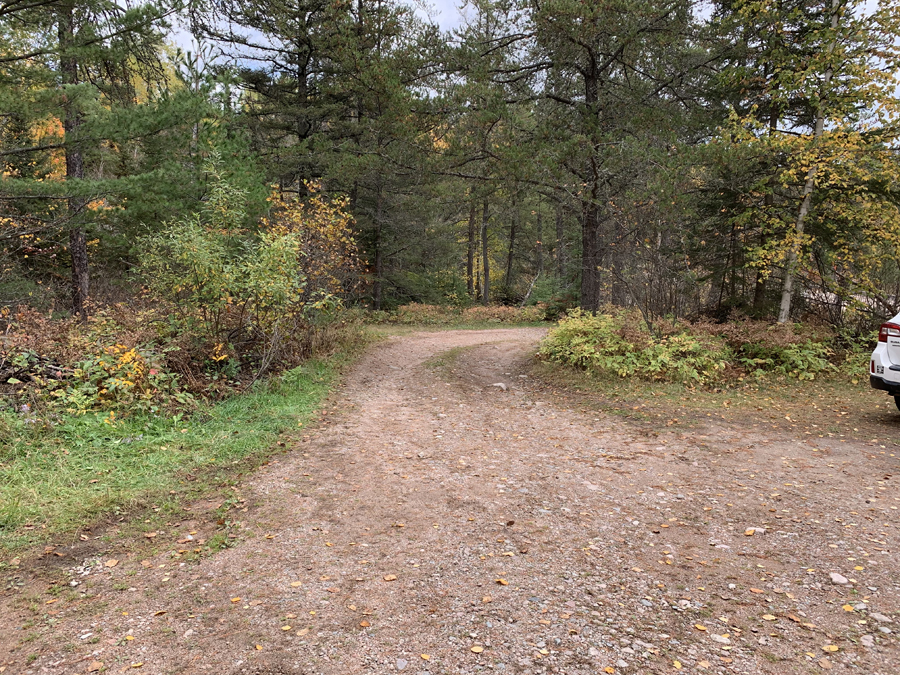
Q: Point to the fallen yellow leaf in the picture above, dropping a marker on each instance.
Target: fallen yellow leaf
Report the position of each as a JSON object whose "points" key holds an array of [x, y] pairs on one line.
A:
{"points": [[830, 648], [390, 577], [112, 562], [285, 628], [699, 626], [503, 582], [770, 617], [425, 656], [364, 623], [609, 669], [296, 584], [676, 665], [847, 608], [477, 649]]}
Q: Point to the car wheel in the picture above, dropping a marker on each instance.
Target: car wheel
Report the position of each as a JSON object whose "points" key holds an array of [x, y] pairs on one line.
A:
{"points": [[897, 401]]}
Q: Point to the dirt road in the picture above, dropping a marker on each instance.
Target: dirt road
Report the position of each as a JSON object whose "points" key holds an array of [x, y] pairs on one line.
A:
{"points": [[441, 524]]}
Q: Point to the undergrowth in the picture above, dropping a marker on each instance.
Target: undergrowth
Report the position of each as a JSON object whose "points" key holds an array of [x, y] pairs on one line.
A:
{"points": [[59, 477], [446, 315], [618, 342]]}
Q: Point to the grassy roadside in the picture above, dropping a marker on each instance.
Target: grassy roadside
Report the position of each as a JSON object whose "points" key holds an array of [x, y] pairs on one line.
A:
{"points": [[58, 479], [841, 406]]}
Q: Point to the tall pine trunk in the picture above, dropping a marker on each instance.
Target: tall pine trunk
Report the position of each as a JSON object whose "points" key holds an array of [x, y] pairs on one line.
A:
{"points": [[592, 220], [74, 163], [379, 251], [486, 261], [591, 256], [540, 241], [511, 252], [470, 251], [560, 245]]}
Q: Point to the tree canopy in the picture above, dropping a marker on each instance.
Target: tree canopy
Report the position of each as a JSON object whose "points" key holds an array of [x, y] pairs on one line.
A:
{"points": [[684, 159]]}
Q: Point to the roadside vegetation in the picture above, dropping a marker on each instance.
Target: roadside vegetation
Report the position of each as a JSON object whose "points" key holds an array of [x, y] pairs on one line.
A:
{"points": [[805, 380], [422, 315], [58, 475], [237, 336], [620, 343]]}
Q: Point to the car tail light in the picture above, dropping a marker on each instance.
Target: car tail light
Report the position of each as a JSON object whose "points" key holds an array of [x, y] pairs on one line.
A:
{"points": [[872, 366], [891, 329]]}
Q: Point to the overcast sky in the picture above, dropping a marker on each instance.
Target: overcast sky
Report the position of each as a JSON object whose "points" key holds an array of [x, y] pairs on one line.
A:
{"points": [[445, 12]]}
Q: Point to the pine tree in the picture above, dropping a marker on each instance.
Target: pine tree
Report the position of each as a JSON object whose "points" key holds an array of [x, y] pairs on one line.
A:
{"points": [[75, 63]]}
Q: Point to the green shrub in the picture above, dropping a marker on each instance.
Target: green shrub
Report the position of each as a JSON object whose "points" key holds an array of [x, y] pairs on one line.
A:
{"points": [[618, 343], [249, 298], [503, 314], [117, 361], [803, 360]]}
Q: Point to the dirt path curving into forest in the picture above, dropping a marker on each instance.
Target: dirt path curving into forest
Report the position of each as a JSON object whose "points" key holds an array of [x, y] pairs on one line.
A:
{"points": [[441, 524]]}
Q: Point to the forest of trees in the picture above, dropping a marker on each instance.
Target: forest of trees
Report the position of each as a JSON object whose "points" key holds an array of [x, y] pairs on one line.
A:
{"points": [[688, 159]]}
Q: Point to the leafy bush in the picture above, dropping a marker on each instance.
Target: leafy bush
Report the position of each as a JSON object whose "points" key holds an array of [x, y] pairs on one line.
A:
{"points": [[426, 315], [250, 299], [120, 377], [801, 360], [605, 343], [71, 367], [619, 342], [224, 303]]}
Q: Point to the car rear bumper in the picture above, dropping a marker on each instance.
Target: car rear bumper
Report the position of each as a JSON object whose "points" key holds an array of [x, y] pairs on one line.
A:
{"points": [[892, 388]]}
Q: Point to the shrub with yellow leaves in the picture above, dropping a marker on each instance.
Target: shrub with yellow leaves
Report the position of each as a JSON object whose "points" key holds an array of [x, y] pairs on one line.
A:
{"points": [[251, 297]]}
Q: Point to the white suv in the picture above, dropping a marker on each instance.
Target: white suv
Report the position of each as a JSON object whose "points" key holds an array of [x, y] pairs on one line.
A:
{"points": [[884, 369]]}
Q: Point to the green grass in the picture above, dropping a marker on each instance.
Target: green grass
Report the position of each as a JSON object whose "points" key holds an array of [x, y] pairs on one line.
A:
{"points": [[56, 478]]}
